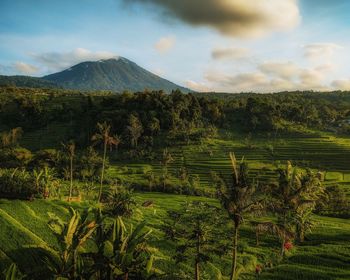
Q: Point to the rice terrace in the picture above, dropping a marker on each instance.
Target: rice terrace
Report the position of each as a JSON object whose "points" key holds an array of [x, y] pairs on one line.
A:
{"points": [[228, 159]]}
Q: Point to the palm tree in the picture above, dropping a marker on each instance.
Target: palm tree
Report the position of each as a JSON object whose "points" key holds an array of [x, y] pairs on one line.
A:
{"points": [[103, 136], [193, 229], [239, 198], [166, 160], [69, 149], [134, 130], [294, 196], [11, 138]]}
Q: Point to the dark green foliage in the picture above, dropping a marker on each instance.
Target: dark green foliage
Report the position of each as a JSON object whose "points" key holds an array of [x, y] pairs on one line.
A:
{"points": [[25, 81], [17, 184], [15, 157], [194, 229], [118, 201]]}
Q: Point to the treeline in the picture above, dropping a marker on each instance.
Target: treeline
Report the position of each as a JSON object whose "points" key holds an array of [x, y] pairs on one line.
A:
{"points": [[177, 116]]}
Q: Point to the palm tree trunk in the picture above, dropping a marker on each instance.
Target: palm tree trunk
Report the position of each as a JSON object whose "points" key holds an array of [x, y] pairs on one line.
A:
{"points": [[71, 179], [234, 253], [103, 169], [196, 272]]}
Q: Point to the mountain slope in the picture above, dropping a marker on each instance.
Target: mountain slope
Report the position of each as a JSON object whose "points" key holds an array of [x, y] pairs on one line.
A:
{"points": [[25, 81], [111, 74]]}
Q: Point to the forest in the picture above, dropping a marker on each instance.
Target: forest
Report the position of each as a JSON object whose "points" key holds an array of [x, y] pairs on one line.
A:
{"points": [[150, 185]]}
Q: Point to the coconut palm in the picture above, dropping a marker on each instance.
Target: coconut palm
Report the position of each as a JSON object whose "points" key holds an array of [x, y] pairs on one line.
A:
{"points": [[69, 149], [294, 197], [11, 138], [134, 130], [193, 230], [104, 137], [239, 198]]}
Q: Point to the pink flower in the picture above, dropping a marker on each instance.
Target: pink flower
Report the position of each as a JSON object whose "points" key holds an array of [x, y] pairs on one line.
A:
{"points": [[288, 245]]}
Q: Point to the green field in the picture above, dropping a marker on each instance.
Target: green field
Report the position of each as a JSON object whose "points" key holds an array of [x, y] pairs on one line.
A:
{"points": [[325, 255]]}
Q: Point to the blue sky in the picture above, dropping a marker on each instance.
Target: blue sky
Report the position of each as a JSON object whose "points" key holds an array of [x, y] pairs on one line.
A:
{"points": [[279, 45]]}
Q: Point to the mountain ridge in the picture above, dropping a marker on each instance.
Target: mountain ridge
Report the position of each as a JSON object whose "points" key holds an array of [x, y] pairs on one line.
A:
{"points": [[113, 74]]}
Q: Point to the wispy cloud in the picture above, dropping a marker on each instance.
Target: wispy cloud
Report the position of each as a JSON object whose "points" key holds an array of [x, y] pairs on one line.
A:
{"points": [[229, 53], [56, 61], [320, 50], [24, 68], [18, 68], [165, 44]]}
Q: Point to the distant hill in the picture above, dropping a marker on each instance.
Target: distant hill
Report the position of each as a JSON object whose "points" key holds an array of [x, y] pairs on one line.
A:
{"points": [[25, 81], [112, 74]]}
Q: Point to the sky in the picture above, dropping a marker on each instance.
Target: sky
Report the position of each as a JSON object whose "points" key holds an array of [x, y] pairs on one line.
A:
{"points": [[206, 45]]}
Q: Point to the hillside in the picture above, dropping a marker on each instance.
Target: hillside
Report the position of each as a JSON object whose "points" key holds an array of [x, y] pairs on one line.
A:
{"points": [[25, 81], [112, 74]]}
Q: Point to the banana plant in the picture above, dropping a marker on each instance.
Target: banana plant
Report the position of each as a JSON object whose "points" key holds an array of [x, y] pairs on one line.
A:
{"points": [[122, 254], [13, 273], [65, 262]]}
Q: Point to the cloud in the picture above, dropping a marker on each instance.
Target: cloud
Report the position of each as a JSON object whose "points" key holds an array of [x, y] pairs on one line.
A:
{"points": [[284, 70], [25, 68], [165, 44], [18, 68], [274, 77], [200, 87], [229, 53], [56, 61], [320, 50], [341, 84], [237, 18]]}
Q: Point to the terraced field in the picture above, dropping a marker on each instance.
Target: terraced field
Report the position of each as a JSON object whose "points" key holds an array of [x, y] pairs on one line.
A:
{"points": [[324, 255], [317, 151]]}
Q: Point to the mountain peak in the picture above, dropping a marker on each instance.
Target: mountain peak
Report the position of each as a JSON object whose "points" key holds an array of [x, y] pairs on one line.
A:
{"points": [[115, 74]]}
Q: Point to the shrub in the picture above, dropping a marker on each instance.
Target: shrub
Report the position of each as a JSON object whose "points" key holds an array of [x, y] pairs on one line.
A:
{"points": [[15, 157], [17, 184]]}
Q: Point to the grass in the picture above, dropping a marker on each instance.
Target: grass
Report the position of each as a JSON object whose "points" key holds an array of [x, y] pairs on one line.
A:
{"points": [[324, 255]]}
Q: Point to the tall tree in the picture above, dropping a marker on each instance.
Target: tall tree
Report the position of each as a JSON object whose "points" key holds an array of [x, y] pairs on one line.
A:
{"points": [[194, 232], [294, 198], [104, 137], [134, 130], [240, 199], [69, 149]]}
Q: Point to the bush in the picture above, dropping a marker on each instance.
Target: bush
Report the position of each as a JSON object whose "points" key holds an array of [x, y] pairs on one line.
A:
{"points": [[15, 157], [47, 157], [17, 184]]}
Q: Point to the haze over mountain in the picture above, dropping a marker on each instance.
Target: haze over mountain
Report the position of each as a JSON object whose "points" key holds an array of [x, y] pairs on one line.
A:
{"points": [[116, 74]]}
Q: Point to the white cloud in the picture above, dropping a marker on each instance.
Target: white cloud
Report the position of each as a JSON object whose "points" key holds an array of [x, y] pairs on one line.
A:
{"points": [[24, 68], [284, 70], [341, 84], [165, 44], [200, 87], [230, 53], [273, 77], [56, 61], [18, 68], [320, 50], [242, 18]]}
